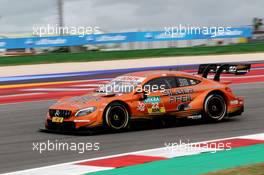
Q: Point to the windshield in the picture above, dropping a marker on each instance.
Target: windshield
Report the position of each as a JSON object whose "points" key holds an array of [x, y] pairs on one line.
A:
{"points": [[123, 84]]}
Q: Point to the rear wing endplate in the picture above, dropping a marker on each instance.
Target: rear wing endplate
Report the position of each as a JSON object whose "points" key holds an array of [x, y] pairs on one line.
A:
{"points": [[218, 69]]}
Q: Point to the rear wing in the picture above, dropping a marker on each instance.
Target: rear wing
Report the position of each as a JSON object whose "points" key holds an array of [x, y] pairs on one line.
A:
{"points": [[218, 69]]}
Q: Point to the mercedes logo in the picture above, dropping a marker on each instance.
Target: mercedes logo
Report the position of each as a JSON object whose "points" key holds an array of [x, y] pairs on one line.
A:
{"points": [[57, 113]]}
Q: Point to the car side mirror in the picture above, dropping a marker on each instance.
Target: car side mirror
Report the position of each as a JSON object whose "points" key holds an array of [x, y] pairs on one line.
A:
{"points": [[142, 95]]}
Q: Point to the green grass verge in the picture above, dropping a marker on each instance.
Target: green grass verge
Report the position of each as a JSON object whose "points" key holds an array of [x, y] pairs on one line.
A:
{"points": [[194, 164], [114, 55], [256, 169]]}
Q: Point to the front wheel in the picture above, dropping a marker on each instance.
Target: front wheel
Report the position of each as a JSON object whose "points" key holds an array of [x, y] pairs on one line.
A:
{"points": [[215, 108], [116, 116]]}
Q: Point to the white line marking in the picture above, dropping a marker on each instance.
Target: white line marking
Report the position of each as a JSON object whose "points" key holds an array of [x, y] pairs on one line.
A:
{"points": [[21, 95], [69, 170], [59, 89], [257, 68], [91, 80], [33, 101], [87, 85]]}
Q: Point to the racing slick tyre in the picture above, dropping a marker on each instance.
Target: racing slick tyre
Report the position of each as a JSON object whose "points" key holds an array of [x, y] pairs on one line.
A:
{"points": [[116, 116], [215, 108]]}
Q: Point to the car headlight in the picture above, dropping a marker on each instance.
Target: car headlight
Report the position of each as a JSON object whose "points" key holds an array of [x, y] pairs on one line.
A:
{"points": [[85, 111]]}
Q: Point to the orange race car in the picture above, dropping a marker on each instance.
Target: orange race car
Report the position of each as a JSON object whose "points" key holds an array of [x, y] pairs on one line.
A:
{"points": [[148, 95]]}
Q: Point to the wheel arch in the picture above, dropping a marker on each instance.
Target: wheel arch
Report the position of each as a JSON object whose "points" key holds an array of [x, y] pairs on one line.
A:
{"points": [[218, 92], [199, 101], [116, 101]]}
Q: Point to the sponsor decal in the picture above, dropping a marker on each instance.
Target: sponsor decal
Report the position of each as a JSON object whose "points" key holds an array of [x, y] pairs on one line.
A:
{"points": [[57, 119], [79, 101], [180, 98], [85, 99], [152, 99], [166, 35], [228, 33], [29, 42], [156, 110], [141, 106], [51, 41], [2, 44], [89, 38], [234, 102], [195, 117], [111, 38], [148, 35], [178, 91], [130, 79]]}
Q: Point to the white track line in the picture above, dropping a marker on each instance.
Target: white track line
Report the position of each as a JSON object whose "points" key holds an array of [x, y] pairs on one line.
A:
{"points": [[86, 85], [21, 95], [58, 89]]}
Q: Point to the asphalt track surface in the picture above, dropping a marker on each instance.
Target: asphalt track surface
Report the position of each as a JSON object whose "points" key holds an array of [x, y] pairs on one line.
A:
{"points": [[20, 123]]}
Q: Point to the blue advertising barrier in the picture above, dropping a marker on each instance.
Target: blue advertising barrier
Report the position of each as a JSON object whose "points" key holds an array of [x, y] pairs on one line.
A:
{"points": [[116, 38]]}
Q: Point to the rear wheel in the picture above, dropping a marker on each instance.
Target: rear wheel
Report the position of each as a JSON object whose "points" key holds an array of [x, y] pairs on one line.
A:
{"points": [[116, 116], [215, 107]]}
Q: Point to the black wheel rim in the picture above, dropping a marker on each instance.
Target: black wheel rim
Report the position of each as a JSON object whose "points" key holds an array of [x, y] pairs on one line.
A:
{"points": [[216, 107], [117, 117]]}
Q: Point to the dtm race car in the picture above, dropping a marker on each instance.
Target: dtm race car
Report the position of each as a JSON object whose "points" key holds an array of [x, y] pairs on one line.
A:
{"points": [[150, 95]]}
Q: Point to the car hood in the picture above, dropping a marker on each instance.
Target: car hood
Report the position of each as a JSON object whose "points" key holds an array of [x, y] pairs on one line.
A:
{"points": [[81, 102]]}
